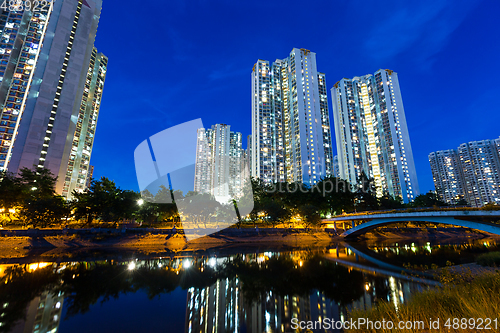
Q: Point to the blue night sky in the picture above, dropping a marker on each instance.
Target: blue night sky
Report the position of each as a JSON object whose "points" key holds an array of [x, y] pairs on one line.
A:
{"points": [[174, 61]]}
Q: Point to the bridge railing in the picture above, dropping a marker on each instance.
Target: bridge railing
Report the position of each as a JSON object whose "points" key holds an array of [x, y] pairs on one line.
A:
{"points": [[420, 209]]}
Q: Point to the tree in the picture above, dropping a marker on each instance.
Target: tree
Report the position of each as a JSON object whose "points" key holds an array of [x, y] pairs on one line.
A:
{"points": [[37, 184], [246, 203], [260, 190], [293, 195], [337, 195], [200, 208], [41, 206], [462, 202], [191, 193], [430, 199], [167, 210], [104, 201], [309, 214], [388, 201], [126, 204], [254, 217], [275, 211], [11, 195], [148, 212], [365, 196], [45, 211], [159, 207]]}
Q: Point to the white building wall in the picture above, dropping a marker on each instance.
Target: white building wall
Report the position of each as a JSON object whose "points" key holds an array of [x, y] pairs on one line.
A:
{"points": [[372, 134], [45, 134], [219, 168], [481, 169], [290, 121], [447, 175]]}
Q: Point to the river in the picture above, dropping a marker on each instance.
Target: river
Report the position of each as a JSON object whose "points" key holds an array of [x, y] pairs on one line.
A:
{"points": [[237, 290]]}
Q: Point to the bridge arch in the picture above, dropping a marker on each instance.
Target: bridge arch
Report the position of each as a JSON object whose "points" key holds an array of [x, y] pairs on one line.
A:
{"points": [[378, 222]]}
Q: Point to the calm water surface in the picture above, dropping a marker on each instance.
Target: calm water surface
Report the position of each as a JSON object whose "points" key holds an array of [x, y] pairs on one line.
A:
{"points": [[252, 290]]}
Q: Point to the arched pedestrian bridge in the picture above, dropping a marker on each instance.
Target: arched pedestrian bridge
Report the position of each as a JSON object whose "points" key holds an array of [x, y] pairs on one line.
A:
{"points": [[361, 224]]}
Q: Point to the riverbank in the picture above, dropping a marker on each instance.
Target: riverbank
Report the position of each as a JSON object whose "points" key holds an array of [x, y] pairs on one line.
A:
{"points": [[424, 233], [53, 242], [19, 244]]}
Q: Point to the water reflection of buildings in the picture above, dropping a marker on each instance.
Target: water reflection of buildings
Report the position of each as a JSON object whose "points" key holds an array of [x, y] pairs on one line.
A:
{"points": [[43, 314], [240, 293], [214, 308], [222, 307]]}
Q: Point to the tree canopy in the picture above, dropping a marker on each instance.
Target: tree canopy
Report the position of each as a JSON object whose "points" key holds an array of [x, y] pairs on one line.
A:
{"points": [[30, 197]]}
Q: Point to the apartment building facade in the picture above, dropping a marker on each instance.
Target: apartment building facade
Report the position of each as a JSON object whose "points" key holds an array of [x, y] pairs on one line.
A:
{"points": [[51, 82], [372, 135], [471, 172], [220, 163], [447, 175], [291, 136]]}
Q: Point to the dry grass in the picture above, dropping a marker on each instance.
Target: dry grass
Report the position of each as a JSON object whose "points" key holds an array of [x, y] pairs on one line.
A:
{"points": [[479, 298]]}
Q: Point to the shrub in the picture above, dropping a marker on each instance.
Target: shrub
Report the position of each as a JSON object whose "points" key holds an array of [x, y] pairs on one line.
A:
{"points": [[489, 259]]}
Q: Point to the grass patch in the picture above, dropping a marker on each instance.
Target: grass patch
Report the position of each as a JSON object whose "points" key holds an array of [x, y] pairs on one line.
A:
{"points": [[491, 259], [479, 298]]}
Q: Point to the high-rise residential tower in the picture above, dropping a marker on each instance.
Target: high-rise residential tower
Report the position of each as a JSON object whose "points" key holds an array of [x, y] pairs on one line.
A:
{"points": [[220, 164], [336, 171], [248, 151], [291, 137], [471, 172], [480, 162], [236, 164], [203, 165], [447, 175], [51, 81], [372, 135]]}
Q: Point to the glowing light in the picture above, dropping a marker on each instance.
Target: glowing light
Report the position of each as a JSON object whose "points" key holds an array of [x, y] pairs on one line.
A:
{"points": [[212, 262], [34, 267], [140, 202], [186, 263], [131, 266]]}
